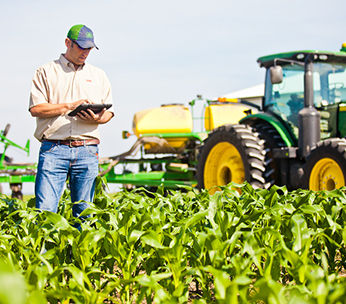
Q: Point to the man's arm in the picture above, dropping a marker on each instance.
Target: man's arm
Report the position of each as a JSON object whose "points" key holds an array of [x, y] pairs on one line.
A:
{"points": [[47, 110]]}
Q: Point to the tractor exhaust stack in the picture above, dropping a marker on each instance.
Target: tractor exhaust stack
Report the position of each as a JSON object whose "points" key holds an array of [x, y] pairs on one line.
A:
{"points": [[308, 117]]}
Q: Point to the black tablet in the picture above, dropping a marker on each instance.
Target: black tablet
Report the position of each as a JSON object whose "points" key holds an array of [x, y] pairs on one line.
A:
{"points": [[96, 108]]}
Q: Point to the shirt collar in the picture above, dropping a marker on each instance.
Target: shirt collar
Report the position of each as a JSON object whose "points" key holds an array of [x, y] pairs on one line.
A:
{"points": [[67, 63]]}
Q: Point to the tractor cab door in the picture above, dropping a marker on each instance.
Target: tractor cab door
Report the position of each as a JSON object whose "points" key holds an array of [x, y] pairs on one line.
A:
{"points": [[329, 119], [285, 99], [329, 97]]}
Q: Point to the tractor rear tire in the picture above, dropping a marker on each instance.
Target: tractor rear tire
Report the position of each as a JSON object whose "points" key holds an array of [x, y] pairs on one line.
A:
{"points": [[231, 153], [272, 139], [325, 168]]}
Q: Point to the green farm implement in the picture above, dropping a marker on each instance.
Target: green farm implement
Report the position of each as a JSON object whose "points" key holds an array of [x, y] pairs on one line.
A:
{"points": [[167, 146], [15, 173]]}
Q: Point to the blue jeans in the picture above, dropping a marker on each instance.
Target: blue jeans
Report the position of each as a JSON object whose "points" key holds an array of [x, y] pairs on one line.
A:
{"points": [[56, 163]]}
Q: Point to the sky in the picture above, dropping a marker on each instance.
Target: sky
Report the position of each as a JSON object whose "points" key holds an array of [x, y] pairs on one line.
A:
{"points": [[155, 51]]}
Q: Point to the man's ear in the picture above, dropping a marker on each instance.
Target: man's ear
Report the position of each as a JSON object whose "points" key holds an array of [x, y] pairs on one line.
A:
{"points": [[68, 42]]}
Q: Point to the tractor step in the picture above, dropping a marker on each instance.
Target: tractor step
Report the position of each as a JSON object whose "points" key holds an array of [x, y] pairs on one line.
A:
{"points": [[285, 152]]}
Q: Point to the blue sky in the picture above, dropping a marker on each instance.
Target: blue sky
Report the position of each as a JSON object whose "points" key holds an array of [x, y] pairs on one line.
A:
{"points": [[156, 51]]}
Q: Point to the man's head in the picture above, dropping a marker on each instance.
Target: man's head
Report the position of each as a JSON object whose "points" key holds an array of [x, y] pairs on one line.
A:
{"points": [[79, 42]]}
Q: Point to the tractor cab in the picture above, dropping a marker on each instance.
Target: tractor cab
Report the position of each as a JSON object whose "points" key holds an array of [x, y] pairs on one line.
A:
{"points": [[287, 85]]}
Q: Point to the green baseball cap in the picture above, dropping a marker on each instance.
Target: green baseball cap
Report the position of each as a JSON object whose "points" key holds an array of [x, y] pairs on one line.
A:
{"points": [[82, 35]]}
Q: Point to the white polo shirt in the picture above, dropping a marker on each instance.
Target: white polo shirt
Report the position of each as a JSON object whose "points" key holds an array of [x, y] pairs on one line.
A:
{"points": [[58, 82]]}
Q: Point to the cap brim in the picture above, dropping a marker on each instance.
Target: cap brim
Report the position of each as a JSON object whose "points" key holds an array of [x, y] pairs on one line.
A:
{"points": [[86, 44]]}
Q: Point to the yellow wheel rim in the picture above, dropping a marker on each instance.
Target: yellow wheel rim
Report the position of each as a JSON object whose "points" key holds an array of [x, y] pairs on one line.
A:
{"points": [[326, 175], [223, 165]]}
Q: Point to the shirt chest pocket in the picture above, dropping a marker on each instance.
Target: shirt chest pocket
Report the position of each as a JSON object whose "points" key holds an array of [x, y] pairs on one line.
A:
{"points": [[91, 91]]}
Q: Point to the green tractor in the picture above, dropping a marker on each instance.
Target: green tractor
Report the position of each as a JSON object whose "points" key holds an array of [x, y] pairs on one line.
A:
{"points": [[298, 137]]}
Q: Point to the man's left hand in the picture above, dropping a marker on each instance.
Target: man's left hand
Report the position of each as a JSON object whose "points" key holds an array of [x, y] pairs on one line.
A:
{"points": [[99, 118]]}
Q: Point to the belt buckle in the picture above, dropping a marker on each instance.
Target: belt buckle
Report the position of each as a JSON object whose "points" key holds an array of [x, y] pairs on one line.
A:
{"points": [[78, 143], [71, 143]]}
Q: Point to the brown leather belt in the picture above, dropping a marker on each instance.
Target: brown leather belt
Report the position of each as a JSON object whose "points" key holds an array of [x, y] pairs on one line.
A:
{"points": [[75, 142]]}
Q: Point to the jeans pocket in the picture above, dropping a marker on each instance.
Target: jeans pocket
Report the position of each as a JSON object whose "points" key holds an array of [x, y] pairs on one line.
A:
{"points": [[47, 146], [93, 150]]}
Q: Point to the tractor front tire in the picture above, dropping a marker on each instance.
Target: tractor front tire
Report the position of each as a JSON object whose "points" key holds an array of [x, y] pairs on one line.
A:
{"points": [[325, 167], [231, 153]]}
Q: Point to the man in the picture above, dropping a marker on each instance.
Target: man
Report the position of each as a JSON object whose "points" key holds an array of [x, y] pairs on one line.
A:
{"points": [[69, 145]]}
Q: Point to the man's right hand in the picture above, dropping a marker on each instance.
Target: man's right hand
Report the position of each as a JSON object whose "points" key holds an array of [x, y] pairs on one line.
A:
{"points": [[73, 105], [47, 110]]}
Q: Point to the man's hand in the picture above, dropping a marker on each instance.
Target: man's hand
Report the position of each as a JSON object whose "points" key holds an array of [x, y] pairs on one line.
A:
{"points": [[47, 110], [99, 118], [74, 105]]}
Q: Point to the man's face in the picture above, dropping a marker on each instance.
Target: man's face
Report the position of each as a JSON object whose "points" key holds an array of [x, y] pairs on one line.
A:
{"points": [[74, 53]]}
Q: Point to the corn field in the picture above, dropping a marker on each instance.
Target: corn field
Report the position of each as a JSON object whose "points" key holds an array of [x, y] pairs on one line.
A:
{"points": [[187, 246]]}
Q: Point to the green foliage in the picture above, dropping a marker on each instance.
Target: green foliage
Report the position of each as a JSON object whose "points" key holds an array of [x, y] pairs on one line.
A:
{"points": [[260, 246]]}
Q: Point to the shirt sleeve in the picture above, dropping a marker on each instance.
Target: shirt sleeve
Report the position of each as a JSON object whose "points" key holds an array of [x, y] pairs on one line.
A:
{"points": [[39, 89]]}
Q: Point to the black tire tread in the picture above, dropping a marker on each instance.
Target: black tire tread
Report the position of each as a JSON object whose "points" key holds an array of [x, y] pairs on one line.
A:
{"points": [[247, 141], [271, 139]]}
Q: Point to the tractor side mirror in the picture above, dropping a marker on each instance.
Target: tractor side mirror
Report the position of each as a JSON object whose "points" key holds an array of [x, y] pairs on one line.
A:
{"points": [[276, 74]]}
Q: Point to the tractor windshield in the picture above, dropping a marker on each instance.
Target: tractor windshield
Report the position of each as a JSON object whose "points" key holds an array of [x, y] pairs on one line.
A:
{"points": [[286, 99]]}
